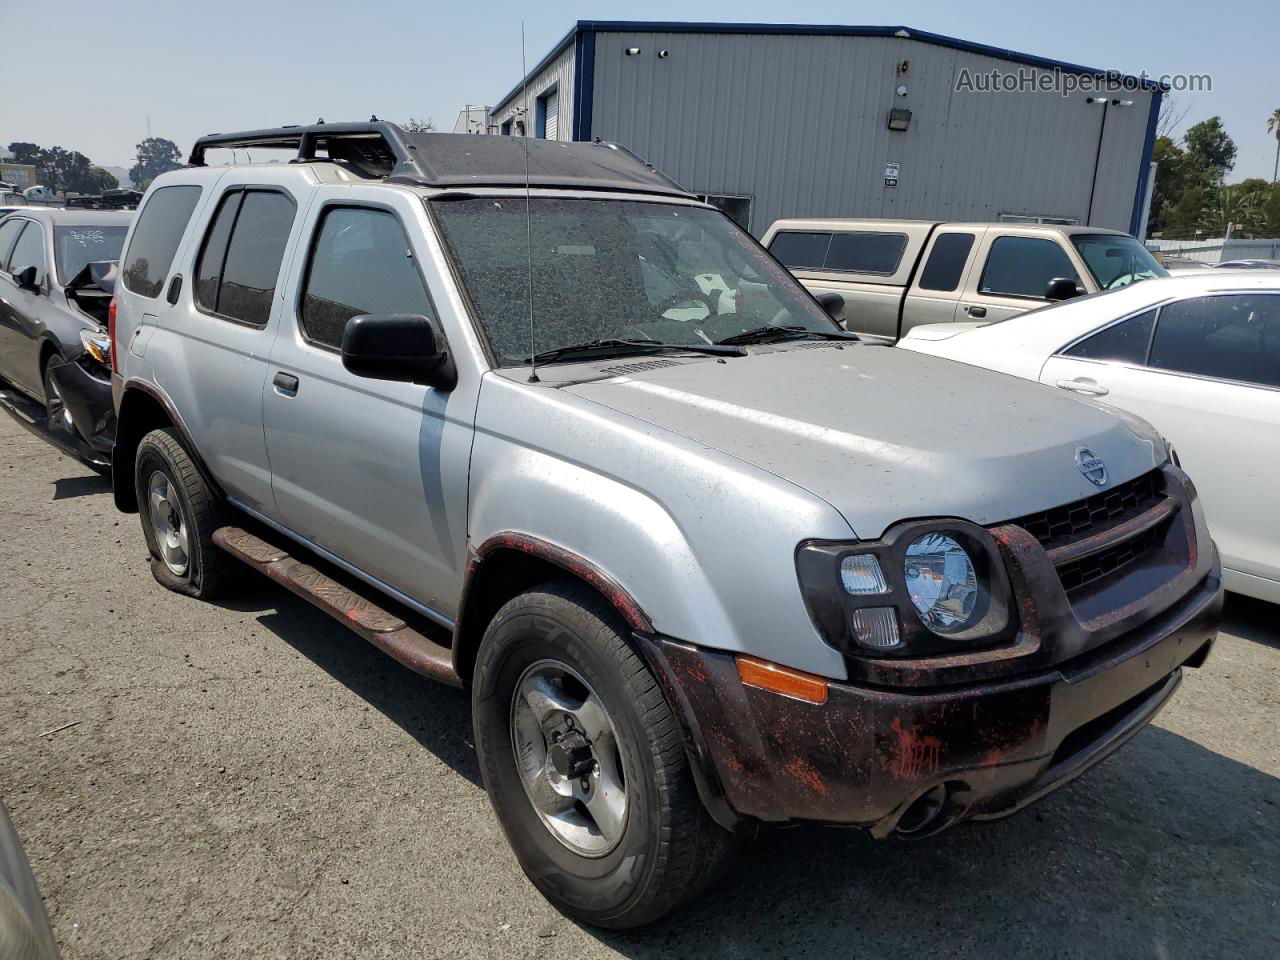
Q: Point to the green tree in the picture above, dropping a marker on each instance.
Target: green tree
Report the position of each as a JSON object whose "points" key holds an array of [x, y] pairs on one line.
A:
{"points": [[1170, 182], [1271, 213], [1210, 151], [1185, 217], [100, 180], [156, 155], [24, 152], [1231, 205], [1273, 126]]}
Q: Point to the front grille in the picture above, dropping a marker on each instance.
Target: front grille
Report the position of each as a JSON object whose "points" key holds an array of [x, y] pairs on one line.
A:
{"points": [[1083, 518], [1081, 573]]}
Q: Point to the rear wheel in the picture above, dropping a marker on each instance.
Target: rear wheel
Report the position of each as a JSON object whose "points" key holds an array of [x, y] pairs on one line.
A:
{"points": [[179, 514], [585, 764]]}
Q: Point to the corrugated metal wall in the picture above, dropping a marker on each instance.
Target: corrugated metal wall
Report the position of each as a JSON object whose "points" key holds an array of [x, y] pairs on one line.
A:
{"points": [[798, 123], [558, 73]]}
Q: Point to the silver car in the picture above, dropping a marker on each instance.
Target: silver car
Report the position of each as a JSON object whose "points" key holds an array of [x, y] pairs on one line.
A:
{"points": [[705, 561]]}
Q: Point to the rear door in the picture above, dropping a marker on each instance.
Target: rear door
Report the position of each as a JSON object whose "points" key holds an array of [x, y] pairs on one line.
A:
{"points": [[1011, 273], [935, 294], [372, 471], [214, 321], [1206, 372]]}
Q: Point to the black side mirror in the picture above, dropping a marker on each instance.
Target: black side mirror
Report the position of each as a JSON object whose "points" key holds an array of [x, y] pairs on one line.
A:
{"points": [[398, 346], [833, 304], [1062, 288], [25, 278]]}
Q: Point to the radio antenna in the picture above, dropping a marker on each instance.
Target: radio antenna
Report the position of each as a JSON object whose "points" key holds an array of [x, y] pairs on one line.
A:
{"points": [[528, 213]]}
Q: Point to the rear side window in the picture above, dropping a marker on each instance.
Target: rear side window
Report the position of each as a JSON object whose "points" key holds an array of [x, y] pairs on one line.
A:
{"points": [[156, 237], [1232, 337], [1023, 266], [29, 252], [360, 263], [1125, 341], [240, 262], [8, 233], [858, 252], [801, 250], [946, 262]]}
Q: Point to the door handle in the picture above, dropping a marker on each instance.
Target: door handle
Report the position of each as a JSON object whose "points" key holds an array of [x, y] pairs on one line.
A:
{"points": [[286, 383], [1090, 388], [978, 312]]}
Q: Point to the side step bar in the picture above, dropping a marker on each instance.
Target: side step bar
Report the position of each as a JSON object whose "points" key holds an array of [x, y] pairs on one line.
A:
{"points": [[383, 629]]}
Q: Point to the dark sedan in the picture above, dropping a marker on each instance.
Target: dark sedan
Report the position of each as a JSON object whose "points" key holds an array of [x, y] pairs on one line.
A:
{"points": [[53, 318]]}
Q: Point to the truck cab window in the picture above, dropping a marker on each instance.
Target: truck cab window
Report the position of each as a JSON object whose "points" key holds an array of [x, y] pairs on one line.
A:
{"points": [[1023, 267], [945, 266]]}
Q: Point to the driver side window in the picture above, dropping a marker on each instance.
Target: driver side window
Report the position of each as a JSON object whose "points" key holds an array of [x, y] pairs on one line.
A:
{"points": [[29, 252], [1023, 267]]}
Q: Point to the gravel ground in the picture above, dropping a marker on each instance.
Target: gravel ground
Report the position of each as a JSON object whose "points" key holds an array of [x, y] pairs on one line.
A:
{"points": [[250, 780]]}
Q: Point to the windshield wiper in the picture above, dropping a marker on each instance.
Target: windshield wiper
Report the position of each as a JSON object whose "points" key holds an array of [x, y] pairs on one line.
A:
{"points": [[771, 332], [613, 346]]}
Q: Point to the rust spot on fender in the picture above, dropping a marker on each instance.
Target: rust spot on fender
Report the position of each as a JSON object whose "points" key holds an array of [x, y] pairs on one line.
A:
{"points": [[803, 771]]}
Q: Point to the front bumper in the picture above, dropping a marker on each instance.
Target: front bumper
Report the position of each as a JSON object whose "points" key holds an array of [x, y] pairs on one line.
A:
{"points": [[869, 753], [88, 400]]}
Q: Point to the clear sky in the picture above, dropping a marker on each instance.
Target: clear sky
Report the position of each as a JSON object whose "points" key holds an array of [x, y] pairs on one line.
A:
{"points": [[92, 72]]}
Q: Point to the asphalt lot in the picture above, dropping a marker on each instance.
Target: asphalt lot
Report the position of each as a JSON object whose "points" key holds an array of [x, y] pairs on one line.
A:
{"points": [[250, 780]]}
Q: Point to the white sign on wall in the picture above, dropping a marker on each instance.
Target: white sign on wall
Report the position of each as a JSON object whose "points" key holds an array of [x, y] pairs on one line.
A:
{"points": [[891, 173]]}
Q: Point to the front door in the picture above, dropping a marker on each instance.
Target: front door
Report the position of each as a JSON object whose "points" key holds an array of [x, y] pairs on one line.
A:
{"points": [[372, 471], [1011, 276]]}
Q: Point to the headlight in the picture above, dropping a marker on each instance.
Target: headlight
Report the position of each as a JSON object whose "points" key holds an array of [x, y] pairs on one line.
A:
{"points": [[941, 582], [926, 588], [97, 345]]}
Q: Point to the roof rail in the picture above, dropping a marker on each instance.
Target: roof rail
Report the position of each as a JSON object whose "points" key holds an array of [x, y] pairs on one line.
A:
{"points": [[376, 147], [458, 161]]}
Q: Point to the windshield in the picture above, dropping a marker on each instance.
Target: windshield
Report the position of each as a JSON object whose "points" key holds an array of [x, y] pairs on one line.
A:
{"points": [[73, 247], [615, 270], [1116, 261]]}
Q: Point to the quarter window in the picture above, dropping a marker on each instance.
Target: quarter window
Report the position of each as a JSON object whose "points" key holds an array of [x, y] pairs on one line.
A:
{"points": [[1232, 337], [360, 263], [156, 236], [1126, 341], [29, 252], [240, 263], [1023, 267], [946, 262]]}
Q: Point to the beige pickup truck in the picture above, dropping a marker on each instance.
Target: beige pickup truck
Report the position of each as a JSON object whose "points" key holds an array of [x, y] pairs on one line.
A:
{"points": [[897, 274]]}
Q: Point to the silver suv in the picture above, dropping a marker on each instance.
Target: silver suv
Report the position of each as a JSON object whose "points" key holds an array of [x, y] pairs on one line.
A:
{"points": [[573, 440]]}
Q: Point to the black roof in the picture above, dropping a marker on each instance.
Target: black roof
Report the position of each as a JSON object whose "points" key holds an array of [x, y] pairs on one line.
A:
{"points": [[455, 160]]}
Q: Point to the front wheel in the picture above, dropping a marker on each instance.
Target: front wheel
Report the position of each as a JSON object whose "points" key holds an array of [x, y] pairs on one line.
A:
{"points": [[585, 764]]}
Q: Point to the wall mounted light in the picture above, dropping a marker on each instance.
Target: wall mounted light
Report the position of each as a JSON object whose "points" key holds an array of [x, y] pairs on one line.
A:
{"points": [[632, 51], [899, 118], [663, 54]]}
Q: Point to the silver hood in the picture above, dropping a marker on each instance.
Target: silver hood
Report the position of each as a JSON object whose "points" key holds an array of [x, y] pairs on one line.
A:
{"points": [[885, 435]]}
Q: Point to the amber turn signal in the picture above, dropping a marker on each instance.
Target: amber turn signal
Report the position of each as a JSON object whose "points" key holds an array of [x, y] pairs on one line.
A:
{"points": [[789, 683]]}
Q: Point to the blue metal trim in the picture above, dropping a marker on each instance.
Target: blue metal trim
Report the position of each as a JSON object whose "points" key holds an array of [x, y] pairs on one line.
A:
{"points": [[584, 80], [1144, 168]]}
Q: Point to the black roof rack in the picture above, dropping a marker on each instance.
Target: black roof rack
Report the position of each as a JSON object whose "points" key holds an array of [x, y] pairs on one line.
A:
{"points": [[378, 148]]}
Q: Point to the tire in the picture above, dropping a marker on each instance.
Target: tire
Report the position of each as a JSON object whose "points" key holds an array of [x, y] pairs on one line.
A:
{"points": [[187, 561], [57, 419], [664, 849]]}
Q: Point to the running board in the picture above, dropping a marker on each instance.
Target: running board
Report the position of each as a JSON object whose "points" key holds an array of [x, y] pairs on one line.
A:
{"points": [[383, 629]]}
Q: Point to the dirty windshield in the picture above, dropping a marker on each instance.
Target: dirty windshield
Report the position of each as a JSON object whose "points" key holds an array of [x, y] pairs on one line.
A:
{"points": [[615, 270], [1116, 261]]}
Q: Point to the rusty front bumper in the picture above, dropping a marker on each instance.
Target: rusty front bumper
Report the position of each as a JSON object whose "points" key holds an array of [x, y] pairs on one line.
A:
{"points": [[868, 754]]}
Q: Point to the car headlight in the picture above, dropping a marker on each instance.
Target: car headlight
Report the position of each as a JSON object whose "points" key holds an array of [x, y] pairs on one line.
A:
{"points": [[926, 588], [98, 345], [941, 582]]}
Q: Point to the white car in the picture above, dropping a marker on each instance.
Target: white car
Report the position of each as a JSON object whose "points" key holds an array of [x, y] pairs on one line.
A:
{"points": [[1198, 355]]}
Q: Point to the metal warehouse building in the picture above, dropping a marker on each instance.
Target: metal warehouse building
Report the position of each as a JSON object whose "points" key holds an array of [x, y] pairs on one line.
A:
{"points": [[773, 121]]}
